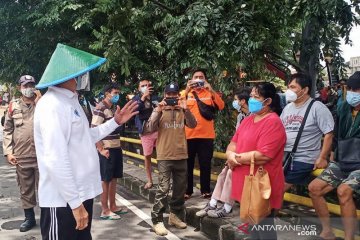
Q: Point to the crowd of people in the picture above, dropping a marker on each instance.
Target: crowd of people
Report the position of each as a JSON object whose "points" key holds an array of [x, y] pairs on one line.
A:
{"points": [[49, 140]]}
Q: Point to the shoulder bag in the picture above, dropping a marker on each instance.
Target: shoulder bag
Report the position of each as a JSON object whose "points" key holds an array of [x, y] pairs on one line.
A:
{"points": [[255, 198], [348, 154], [206, 111]]}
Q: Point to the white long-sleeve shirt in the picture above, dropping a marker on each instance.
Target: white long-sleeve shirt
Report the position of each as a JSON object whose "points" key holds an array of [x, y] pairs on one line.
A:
{"points": [[65, 148]]}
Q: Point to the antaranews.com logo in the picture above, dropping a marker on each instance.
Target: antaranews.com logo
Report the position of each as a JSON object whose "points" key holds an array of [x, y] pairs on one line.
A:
{"points": [[299, 229]]}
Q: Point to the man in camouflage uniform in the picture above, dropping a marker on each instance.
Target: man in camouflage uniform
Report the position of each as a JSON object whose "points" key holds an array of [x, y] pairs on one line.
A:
{"points": [[19, 146], [343, 174]]}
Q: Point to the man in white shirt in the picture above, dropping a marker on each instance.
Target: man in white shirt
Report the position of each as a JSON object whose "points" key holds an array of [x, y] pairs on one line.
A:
{"points": [[65, 146]]}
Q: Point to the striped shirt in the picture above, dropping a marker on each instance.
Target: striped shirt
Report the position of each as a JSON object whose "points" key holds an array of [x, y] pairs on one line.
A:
{"points": [[100, 115]]}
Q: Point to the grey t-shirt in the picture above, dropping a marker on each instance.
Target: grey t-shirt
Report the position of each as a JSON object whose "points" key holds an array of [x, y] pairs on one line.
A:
{"points": [[240, 117], [319, 122]]}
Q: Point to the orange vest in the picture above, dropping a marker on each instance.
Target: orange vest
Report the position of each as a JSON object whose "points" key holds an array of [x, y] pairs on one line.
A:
{"points": [[204, 128]]}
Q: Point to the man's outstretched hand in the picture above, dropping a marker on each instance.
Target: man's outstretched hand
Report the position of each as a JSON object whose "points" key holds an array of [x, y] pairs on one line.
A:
{"points": [[126, 113]]}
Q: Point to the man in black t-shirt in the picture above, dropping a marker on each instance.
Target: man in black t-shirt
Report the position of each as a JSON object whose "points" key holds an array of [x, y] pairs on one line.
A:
{"points": [[147, 101]]}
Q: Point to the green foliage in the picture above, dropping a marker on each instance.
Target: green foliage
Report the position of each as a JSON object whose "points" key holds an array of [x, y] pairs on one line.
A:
{"points": [[163, 40], [324, 23]]}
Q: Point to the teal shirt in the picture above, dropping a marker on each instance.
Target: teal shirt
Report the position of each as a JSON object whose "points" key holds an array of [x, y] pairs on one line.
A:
{"points": [[346, 126]]}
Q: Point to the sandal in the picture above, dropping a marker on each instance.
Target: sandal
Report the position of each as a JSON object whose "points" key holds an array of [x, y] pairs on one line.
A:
{"points": [[110, 217], [121, 211], [148, 185], [187, 196]]}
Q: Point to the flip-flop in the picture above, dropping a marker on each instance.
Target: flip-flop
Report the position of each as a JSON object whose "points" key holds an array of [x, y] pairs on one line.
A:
{"points": [[121, 211], [110, 217], [148, 185]]}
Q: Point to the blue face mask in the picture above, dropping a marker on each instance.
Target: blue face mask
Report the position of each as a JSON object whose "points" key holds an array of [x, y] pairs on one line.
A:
{"points": [[353, 98], [114, 99], [255, 105], [236, 105]]}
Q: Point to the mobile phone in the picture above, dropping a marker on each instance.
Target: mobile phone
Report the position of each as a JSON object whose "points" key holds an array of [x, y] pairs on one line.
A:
{"points": [[197, 83], [171, 101], [201, 84], [150, 87]]}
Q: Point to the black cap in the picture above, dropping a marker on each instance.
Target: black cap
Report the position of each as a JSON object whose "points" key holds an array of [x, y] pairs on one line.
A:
{"points": [[172, 87], [354, 81]]}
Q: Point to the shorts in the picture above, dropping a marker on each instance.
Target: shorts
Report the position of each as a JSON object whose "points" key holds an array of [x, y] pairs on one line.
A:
{"points": [[299, 173], [334, 177], [111, 167], [148, 142]]}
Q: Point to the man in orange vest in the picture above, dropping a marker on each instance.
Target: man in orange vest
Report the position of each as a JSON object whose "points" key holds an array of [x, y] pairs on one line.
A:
{"points": [[202, 101]]}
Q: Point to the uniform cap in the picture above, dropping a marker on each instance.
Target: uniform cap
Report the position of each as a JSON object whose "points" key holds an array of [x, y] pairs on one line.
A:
{"points": [[26, 79], [67, 63]]}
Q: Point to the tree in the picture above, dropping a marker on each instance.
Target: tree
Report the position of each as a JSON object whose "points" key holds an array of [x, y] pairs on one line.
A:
{"points": [[323, 23], [30, 32], [164, 39]]}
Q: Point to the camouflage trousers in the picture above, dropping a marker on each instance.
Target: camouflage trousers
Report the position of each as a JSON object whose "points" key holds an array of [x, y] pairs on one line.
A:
{"points": [[334, 177], [177, 171]]}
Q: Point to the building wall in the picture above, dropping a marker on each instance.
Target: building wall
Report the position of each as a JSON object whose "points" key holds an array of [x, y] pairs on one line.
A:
{"points": [[354, 64]]}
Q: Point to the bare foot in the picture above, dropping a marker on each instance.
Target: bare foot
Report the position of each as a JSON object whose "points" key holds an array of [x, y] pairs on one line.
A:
{"points": [[118, 210], [106, 213], [328, 235], [148, 185]]}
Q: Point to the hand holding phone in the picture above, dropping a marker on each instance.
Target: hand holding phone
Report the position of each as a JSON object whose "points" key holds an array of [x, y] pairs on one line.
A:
{"points": [[197, 83], [150, 87], [171, 101]]}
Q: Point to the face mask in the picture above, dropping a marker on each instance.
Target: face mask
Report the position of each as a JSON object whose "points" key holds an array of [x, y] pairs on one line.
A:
{"points": [[290, 96], [236, 105], [83, 82], [353, 98], [114, 99], [28, 92], [143, 89], [255, 105]]}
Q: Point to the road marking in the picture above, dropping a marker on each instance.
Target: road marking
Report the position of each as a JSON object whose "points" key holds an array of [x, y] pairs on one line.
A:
{"points": [[142, 215]]}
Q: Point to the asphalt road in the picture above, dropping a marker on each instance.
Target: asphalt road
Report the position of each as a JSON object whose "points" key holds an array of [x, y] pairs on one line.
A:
{"points": [[134, 225]]}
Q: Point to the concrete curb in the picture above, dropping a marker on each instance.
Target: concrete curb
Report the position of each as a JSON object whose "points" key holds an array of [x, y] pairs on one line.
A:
{"points": [[227, 228], [214, 228]]}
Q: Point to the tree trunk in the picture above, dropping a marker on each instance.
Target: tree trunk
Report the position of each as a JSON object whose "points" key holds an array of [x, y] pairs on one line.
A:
{"points": [[310, 50]]}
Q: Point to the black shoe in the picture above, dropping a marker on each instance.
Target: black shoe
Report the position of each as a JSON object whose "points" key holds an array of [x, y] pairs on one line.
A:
{"points": [[27, 225], [29, 221]]}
